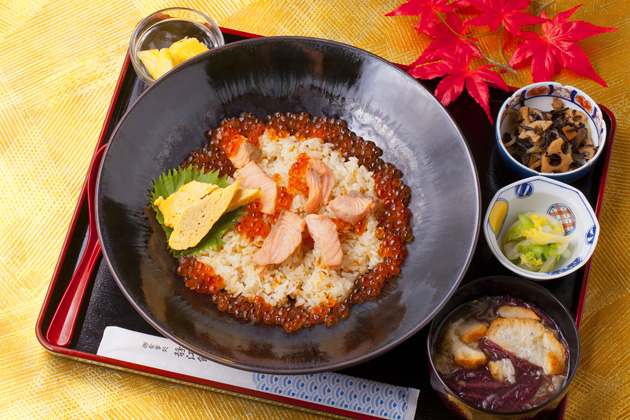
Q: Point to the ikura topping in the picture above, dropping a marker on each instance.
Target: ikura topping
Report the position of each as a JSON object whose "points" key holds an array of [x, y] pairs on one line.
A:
{"points": [[300, 260], [552, 141], [501, 354]]}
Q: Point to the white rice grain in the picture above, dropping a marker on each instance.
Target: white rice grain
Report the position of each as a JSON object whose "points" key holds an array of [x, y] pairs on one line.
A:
{"points": [[302, 277]]}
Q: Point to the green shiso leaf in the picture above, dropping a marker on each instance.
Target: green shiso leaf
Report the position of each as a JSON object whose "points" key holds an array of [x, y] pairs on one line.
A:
{"points": [[170, 182]]}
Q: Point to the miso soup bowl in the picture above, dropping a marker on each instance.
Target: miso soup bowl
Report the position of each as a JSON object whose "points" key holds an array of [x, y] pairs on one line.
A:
{"points": [[527, 291], [539, 96]]}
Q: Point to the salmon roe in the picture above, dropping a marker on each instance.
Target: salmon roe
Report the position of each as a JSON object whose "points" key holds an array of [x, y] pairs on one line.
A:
{"points": [[255, 223], [297, 175], [394, 230]]}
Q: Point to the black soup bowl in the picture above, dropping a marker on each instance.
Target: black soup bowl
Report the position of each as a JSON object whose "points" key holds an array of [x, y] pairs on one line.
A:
{"points": [[379, 102], [527, 292]]}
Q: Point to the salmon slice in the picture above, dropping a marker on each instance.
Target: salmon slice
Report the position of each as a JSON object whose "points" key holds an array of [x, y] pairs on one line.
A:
{"points": [[326, 238], [284, 238], [353, 206], [320, 181], [252, 176], [245, 153]]}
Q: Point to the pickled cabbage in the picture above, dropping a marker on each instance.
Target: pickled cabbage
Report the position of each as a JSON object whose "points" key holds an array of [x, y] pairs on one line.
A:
{"points": [[536, 242]]}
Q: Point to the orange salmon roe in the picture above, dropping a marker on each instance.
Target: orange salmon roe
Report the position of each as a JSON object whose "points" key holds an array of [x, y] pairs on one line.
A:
{"points": [[393, 230], [297, 175]]}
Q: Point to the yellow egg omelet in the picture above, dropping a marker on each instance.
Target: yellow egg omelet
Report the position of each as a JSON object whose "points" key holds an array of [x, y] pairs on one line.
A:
{"points": [[197, 220], [158, 62], [195, 207], [187, 195], [242, 198]]}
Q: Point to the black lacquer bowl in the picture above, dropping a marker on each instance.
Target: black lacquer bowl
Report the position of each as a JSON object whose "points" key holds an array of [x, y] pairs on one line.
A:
{"points": [[529, 292], [379, 102]]}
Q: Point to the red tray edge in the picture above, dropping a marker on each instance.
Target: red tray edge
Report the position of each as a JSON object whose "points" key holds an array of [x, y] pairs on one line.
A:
{"points": [[73, 222], [237, 391], [598, 208]]}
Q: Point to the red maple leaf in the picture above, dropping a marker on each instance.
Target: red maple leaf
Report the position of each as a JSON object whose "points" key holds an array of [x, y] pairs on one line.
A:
{"points": [[557, 46], [426, 9], [459, 75], [506, 12], [449, 38]]}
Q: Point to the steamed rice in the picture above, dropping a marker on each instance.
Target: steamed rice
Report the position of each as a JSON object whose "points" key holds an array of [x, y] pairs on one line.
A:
{"points": [[302, 277]]}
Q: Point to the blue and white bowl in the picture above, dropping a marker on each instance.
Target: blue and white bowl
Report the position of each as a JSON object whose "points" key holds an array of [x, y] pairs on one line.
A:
{"points": [[539, 96], [544, 195]]}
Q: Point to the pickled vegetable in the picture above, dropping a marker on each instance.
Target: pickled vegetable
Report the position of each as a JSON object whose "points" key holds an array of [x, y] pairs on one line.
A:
{"points": [[536, 242]]}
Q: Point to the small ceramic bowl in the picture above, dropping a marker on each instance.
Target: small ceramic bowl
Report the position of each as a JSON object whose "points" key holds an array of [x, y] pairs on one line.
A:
{"points": [[544, 195], [528, 292], [539, 96], [164, 27]]}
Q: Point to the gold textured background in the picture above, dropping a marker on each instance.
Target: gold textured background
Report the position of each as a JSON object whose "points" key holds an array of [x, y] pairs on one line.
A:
{"points": [[59, 61]]}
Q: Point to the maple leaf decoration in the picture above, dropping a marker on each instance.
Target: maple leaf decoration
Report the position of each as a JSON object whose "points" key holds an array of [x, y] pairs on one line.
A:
{"points": [[448, 39], [557, 46], [506, 12], [426, 9], [459, 75]]}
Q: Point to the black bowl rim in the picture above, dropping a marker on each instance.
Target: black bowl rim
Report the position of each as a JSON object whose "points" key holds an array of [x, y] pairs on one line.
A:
{"points": [[333, 366], [543, 290]]}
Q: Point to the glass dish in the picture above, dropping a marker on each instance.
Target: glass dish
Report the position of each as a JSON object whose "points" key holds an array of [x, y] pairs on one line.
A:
{"points": [[164, 27]]}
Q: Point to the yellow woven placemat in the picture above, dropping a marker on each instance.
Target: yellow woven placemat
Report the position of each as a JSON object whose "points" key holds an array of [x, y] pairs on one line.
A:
{"points": [[60, 61]]}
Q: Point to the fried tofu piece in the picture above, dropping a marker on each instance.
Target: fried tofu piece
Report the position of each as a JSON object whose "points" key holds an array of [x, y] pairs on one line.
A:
{"points": [[502, 370], [196, 220], [471, 330], [530, 340], [187, 195], [464, 355], [467, 357], [507, 311]]}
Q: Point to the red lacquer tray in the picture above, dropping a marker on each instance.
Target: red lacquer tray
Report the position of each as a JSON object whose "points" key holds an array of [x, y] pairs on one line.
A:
{"points": [[104, 305]]}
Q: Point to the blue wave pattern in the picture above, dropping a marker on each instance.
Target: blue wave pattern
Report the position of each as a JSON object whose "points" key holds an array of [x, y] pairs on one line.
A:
{"points": [[341, 391], [568, 267]]}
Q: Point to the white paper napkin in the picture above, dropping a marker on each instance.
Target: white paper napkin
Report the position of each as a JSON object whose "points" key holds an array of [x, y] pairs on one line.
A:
{"points": [[329, 389]]}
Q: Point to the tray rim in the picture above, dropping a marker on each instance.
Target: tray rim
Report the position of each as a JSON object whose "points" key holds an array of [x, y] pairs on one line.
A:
{"points": [[218, 386]]}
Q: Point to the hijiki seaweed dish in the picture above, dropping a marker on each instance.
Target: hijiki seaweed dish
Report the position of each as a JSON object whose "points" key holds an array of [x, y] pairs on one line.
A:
{"points": [[290, 220], [554, 141]]}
